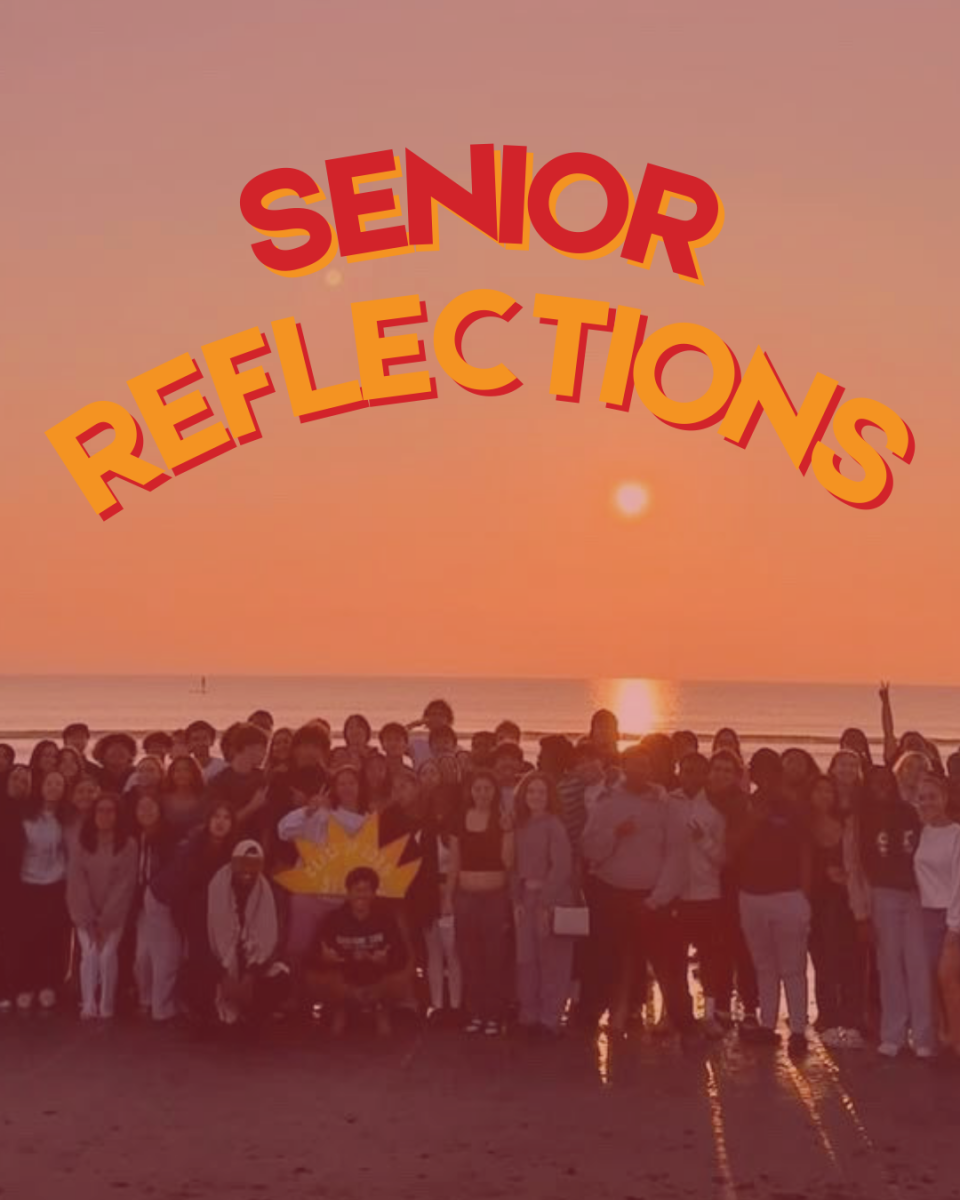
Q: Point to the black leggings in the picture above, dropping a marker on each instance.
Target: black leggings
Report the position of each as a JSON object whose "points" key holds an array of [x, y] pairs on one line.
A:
{"points": [[44, 936]]}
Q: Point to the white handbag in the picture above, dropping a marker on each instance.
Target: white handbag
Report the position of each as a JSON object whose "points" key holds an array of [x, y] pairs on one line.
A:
{"points": [[571, 921]]}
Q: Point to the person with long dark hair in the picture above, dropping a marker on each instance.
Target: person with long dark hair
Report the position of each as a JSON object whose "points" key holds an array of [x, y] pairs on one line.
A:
{"points": [[101, 880], [81, 797], [181, 890], [44, 925], [835, 946], [889, 836], [156, 942], [481, 857], [376, 782], [800, 773], [70, 764], [771, 853], [857, 741], [356, 736], [605, 735], [181, 798], [43, 759], [542, 879], [846, 771]]}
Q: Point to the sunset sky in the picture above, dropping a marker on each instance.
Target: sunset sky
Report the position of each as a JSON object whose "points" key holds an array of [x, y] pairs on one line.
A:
{"points": [[466, 534]]}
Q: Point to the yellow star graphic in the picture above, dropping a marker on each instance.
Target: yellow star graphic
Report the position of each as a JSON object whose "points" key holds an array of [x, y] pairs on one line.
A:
{"points": [[324, 866]]}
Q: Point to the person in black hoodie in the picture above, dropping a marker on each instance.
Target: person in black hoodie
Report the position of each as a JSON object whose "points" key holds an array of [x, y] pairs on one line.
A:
{"points": [[181, 887], [155, 955], [889, 833], [407, 816]]}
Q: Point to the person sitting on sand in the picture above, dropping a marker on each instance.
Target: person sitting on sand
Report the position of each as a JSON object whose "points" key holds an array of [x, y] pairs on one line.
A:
{"points": [[361, 956]]}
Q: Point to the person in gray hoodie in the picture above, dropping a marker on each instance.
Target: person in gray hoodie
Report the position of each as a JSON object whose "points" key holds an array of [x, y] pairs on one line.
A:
{"points": [[101, 881], [637, 846]]}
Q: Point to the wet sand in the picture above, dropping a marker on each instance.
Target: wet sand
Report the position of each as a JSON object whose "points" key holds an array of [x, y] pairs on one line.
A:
{"points": [[93, 1111]]}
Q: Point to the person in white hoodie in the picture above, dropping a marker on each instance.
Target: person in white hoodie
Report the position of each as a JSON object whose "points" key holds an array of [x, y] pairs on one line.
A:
{"points": [[309, 822], [700, 915], [936, 865]]}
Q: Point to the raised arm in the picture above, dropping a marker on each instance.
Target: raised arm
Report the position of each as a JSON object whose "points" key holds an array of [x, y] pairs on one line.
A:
{"points": [[890, 743]]}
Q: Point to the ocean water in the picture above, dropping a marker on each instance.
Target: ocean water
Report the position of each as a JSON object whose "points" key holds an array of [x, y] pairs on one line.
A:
{"points": [[775, 714]]}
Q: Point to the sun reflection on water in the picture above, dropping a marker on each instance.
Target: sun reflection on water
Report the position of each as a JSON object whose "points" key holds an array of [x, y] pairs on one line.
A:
{"points": [[640, 705]]}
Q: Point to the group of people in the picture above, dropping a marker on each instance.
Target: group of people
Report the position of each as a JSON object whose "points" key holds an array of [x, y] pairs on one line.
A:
{"points": [[546, 895]]}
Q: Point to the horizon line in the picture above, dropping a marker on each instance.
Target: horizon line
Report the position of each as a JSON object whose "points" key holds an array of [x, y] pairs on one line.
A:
{"points": [[459, 677]]}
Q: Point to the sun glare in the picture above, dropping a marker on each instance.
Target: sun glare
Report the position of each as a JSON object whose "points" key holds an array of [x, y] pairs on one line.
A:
{"points": [[632, 499]]}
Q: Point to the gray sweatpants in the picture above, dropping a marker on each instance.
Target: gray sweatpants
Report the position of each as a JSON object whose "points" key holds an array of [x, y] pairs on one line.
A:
{"points": [[777, 929], [905, 979], [544, 966]]}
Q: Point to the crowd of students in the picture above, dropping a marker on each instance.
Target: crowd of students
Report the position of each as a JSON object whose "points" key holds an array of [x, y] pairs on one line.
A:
{"points": [[547, 895]]}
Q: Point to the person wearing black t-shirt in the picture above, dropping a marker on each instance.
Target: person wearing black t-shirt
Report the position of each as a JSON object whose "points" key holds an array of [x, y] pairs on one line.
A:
{"points": [[771, 858], [361, 955], [889, 833], [241, 785]]}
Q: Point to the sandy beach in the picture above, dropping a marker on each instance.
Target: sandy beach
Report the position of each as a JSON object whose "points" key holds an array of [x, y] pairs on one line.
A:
{"points": [[95, 1110]]}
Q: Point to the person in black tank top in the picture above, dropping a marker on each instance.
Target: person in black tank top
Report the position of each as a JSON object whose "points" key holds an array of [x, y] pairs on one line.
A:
{"points": [[481, 855]]}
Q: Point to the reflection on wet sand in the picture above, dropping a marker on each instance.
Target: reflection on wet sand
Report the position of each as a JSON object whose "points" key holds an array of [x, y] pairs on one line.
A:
{"points": [[728, 1188], [788, 1073]]}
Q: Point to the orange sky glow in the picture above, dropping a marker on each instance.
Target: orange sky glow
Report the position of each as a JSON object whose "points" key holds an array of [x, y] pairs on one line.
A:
{"points": [[468, 534]]}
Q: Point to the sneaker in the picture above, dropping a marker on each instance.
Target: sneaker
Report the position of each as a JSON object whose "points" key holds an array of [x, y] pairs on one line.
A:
{"points": [[5, 1005], [889, 1049], [924, 1052], [25, 1001], [491, 1029], [797, 1045], [834, 1038], [48, 998], [475, 1025]]}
